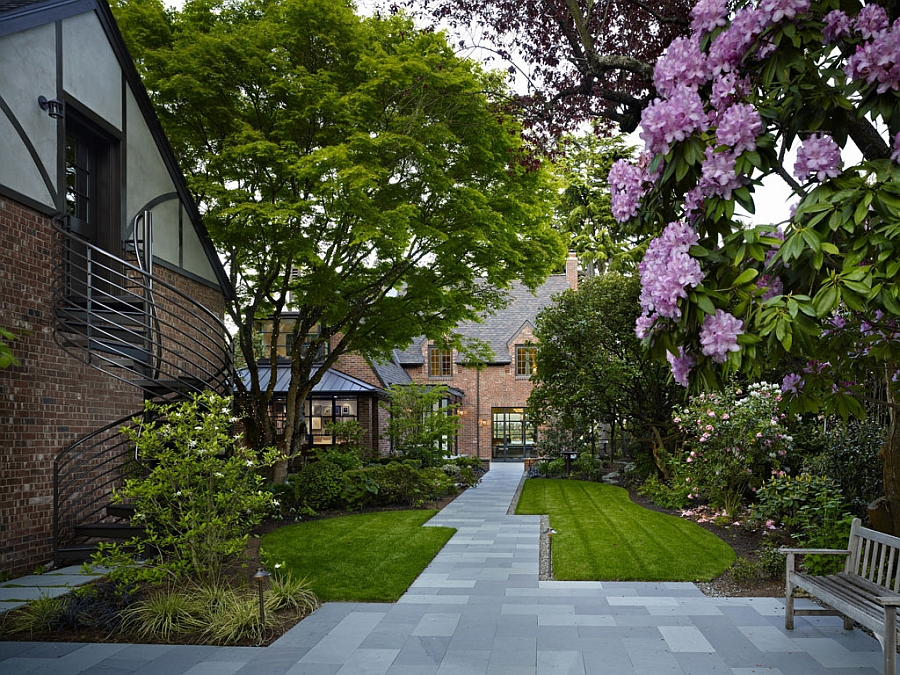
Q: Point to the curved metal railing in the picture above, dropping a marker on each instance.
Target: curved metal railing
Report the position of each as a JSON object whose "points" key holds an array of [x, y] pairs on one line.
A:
{"points": [[117, 316]]}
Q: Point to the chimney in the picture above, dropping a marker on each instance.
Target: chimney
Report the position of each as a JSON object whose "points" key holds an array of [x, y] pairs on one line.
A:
{"points": [[572, 270]]}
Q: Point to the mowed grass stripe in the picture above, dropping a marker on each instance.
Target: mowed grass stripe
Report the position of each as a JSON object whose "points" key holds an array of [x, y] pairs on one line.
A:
{"points": [[372, 557], [603, 536]]}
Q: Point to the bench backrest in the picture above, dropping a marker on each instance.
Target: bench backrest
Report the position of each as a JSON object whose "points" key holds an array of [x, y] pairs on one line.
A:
{"points": [[874, 556]]}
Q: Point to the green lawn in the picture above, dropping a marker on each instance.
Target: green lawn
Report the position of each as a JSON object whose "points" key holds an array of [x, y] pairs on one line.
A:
{"points": [[603, 536], [371, 557]]}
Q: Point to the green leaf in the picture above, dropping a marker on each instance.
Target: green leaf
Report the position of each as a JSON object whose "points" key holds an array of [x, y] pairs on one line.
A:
{"points": [[826, 300], [746, 277]]}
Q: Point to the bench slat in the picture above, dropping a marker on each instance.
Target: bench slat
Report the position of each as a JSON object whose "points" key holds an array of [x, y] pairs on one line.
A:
{"points": [[847, 597]]}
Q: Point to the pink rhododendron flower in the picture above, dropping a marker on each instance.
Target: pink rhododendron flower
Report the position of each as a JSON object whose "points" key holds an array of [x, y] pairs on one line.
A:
{"points": [[731, 45], [664, 122], [818, 156], [707, 15], [626, 189], [718, 335], [667, 270], [727, 89], [877, 61], [681, 366], [719, 177], [739, 125], [774, 11], [872, 20], [683, 65], [791, 383], [895, 152], [837, 26]]}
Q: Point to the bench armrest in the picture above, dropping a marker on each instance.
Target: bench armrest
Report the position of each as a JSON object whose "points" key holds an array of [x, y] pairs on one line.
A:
{"points": [[815, 551], [889, 601]]}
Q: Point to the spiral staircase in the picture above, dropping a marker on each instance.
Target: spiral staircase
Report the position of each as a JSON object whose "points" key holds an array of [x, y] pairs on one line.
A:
{"points": [[117, 316]]}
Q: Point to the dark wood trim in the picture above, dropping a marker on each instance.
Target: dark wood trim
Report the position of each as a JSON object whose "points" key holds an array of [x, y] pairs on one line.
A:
{"points": [[48, 182]]}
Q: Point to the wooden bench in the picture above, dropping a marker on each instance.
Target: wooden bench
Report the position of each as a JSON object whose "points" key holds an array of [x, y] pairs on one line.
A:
{"points": [[867, 591]]}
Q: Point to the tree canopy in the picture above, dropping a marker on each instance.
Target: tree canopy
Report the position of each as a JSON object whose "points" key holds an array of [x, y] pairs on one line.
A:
{"points": [[592, 370], [819, 290], [583, 59], [355, 163]]}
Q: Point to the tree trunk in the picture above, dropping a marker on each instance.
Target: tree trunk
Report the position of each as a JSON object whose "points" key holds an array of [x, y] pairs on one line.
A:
{"points": [[890, 453]]}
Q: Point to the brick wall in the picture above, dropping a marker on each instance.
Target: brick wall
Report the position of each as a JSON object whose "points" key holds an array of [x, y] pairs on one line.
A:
{"points": [[499, 387], [51, 399]]}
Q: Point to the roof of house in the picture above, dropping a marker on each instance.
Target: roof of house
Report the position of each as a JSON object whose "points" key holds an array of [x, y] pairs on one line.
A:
{"points": [[390, 372], [20, 15], [500, 328], [334, 382]]}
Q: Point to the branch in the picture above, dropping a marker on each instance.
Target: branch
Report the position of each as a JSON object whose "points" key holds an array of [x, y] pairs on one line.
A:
{"points": [[659, 17], [867, 139]]}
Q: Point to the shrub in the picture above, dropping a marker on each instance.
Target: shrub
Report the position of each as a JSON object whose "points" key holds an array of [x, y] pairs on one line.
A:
{"points": [[435, 484], [318, 485], [830, 533], [771, 560], [734, 440], [588, 467], [798, 501], [461, 474], [360, 487], [674, 496], [399, 483], [200, 497], [850, 455], [236, 618]]}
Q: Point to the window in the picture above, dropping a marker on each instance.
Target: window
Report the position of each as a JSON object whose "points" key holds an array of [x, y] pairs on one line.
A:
{"points": [[526, 364], [513, 435], [285, 344], [440, 362], [321, 413]]}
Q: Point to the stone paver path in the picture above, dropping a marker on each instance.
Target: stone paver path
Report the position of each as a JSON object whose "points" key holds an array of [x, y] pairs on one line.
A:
{"points": [[480, 609]]}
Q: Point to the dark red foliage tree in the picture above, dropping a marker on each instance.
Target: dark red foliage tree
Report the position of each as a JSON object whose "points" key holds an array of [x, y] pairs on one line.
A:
{"points": [[584, 59]]}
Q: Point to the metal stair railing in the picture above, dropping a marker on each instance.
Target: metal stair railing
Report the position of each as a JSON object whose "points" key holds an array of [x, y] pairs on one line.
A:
{"points": [[117, 316]]}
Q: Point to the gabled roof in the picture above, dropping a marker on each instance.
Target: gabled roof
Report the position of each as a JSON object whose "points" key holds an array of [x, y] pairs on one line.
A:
{"points": [[390, 372], [19, 15], [334, 382], [500, 328]]}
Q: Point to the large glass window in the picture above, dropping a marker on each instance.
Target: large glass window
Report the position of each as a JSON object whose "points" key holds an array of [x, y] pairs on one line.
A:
{"points": [[526, 365], [440, 362], [513, 435], [321, 413], [284, 346]]}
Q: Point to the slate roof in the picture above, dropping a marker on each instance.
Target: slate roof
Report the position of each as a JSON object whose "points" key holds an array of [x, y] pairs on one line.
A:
{"points": [[500, 328], [391, 372], [334, 382]]}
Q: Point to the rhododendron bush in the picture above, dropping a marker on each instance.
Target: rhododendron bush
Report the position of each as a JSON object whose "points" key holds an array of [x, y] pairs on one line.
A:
{"points": [[806, 93], [734, 441]]}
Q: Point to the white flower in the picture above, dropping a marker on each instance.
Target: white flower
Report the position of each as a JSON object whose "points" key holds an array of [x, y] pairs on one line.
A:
{"points": [[275, 502], [249, 462], [277, 566], [192, 443], [218, 474]]}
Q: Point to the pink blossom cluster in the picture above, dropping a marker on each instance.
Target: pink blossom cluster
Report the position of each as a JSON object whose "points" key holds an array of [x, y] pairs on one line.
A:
{"points": [[728, 49], [727, 89], [626, 186], [707, 15], [683, 65], [738, 127], [779, 10], [895, 150], [681, 366], [667, 270], [837, 26], [718, 175], [666, 121], [771, 286], [719, 334], [820, 156], [877, 60]]}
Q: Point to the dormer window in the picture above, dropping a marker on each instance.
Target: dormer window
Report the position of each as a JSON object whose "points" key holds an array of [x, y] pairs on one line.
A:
{"points": [[440, 362], [526, 360]]}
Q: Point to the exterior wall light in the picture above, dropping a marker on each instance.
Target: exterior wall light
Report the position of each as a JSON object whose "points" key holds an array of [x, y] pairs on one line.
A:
{"points": [[53, 106]]}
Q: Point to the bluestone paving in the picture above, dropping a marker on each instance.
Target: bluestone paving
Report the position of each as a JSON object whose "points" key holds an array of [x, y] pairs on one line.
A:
{"points": [[480, 609]]}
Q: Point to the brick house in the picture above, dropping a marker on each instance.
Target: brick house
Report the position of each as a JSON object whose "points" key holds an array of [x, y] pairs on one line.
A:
{"points": [[107, 275], [491, 400]]}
